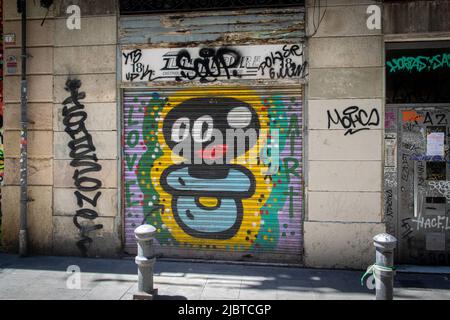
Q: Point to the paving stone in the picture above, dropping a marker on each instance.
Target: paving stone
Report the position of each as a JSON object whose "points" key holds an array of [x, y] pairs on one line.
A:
{"points": [[191, 280], [127, 296], [46, 278], [42, 293], [221, 289], [258, 290], [418, 294], [110, 290], [283, 294], [183, 292]]}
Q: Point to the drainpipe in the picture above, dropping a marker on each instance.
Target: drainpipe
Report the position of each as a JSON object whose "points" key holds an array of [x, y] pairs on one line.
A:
{"points": [[23, 233]]}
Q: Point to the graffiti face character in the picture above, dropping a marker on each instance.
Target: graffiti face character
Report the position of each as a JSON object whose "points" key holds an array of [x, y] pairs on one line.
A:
{"points": [[207, 190], [201, 206], [211, 130]]}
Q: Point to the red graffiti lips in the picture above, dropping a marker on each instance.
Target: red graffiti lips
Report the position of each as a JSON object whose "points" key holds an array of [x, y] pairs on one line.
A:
{"points": [[214, 152]]}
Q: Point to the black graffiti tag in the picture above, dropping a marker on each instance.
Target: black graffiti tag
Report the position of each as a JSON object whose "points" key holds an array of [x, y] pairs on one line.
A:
{"points": [[209, 66], [354, 119], [82, 153], [280, 65], [388, 210], [139, 71], [407, 229]]}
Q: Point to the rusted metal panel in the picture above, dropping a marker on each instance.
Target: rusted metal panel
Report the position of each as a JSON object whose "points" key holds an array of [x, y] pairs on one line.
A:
{"points": [[416, 17], [246, 208], [253, 26]]}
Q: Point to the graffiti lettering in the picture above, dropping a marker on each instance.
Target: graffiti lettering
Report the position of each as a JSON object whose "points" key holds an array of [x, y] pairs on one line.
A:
{"points": [[439, 119], [139, 70], [442, 187], [405, 168], [388, 201], [419, 63], [436, 222], [420, 173], [389, 211], [82, 152], [407, 229], [354, 119], [280, 65], [209, 66]]}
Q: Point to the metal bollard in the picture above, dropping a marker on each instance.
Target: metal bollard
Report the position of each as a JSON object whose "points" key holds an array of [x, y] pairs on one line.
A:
{"points": [[145, 260], [383, 270]]}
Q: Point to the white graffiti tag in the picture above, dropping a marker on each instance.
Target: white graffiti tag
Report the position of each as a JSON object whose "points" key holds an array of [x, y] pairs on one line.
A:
{"points": [[443, 187]]}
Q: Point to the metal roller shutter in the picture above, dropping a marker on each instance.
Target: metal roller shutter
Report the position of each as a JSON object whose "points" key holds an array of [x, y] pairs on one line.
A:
{"points": [[248, 207]]}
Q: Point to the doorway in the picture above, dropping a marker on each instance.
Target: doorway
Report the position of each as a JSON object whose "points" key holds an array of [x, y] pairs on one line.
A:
{"points": [[417, 182], [417, 162]]}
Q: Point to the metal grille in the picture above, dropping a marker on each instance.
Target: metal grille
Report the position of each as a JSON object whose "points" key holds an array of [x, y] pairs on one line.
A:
{"points": [[144, 6], [224, 211]]}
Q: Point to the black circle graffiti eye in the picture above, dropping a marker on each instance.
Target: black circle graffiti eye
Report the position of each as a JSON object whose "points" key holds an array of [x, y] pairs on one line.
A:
{"points": [[202, 129], [180, 129]]}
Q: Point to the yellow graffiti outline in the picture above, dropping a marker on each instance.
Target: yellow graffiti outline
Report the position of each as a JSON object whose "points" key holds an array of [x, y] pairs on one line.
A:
{"points": [[251, 215]]}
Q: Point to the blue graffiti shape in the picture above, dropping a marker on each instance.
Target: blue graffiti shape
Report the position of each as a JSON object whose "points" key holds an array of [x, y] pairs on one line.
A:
{"points": [[228, 188]]}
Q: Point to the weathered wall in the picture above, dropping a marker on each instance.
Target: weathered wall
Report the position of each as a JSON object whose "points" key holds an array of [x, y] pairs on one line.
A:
{"points": [[408, 17], [57, 54], [40, 135], [344, 164], [344, 167], [88, 55]]}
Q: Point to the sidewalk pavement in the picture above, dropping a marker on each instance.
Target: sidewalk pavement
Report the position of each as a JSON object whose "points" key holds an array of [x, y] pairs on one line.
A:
{"points": [[45, 277]]}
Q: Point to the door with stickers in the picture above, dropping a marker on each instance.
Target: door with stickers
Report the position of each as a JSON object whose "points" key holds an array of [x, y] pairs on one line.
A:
{"points": [[423, 184]]}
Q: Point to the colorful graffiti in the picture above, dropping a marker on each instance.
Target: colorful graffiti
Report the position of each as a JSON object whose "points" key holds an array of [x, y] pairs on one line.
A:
{"points": [[419, 63], [417, 75], [200, 200]]}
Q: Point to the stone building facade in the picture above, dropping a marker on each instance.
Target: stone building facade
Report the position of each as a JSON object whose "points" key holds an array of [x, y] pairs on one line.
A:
{"points": [[340, 138]]}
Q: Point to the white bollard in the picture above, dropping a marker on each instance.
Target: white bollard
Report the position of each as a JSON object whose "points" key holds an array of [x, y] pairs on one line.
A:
{"points": [[145, 261]]}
